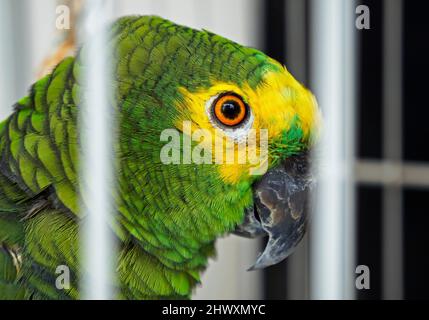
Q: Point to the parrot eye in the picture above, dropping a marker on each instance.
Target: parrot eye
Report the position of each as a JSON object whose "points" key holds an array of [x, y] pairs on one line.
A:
{"points": [[230, 110]]}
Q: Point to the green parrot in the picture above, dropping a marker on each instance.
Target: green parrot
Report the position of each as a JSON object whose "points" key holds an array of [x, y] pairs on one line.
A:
{"points": [[168, 213]]}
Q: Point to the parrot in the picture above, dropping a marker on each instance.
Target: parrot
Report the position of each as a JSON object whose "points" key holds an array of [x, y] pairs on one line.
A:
{"points": [[167, 215]]}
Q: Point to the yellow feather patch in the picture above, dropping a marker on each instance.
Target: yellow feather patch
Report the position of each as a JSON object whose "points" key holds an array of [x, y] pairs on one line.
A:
{"points": [[275, 103]]}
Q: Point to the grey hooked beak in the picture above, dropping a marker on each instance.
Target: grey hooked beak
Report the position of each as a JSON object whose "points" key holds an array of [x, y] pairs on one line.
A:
{"points": [[279, 210]]}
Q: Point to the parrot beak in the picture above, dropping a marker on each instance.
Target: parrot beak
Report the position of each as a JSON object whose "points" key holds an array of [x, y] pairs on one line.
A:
{"points": [[280, 210]]}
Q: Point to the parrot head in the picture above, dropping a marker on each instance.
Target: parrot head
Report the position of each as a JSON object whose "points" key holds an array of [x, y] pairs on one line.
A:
{"points": [[214, 139]]}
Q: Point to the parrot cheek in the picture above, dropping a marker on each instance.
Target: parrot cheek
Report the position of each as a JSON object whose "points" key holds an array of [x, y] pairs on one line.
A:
{"points": [[280, 210]]}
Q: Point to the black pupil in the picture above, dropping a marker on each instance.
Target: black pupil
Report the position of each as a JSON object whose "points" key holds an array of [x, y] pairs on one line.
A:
{"points": [[231, 109]]}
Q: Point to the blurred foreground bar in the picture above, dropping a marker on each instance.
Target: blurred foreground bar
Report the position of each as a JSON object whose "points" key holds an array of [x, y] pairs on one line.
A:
{"points": [[96, 131], [332, 38], [7, 87]]}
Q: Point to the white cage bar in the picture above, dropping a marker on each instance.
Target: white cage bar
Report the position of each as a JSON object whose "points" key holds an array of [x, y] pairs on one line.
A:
{"points": [[333, 81], [97, 130], [7, 76]]}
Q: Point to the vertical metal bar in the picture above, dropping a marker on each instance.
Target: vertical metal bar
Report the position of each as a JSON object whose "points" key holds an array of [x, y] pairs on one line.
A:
{"points": [[97, 127], [350, 116], [7, 83], [296, 62], [332, 26], [392, 149]]}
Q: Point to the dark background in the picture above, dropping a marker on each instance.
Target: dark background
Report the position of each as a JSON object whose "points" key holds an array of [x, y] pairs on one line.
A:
{"points": [[369, 143]]}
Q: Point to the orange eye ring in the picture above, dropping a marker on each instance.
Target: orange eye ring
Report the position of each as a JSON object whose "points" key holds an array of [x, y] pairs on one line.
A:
{"points": [[230, 109]]}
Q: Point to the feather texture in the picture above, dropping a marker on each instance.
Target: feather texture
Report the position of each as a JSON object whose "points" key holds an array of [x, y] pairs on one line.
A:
{"points": [[169, 216]]}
